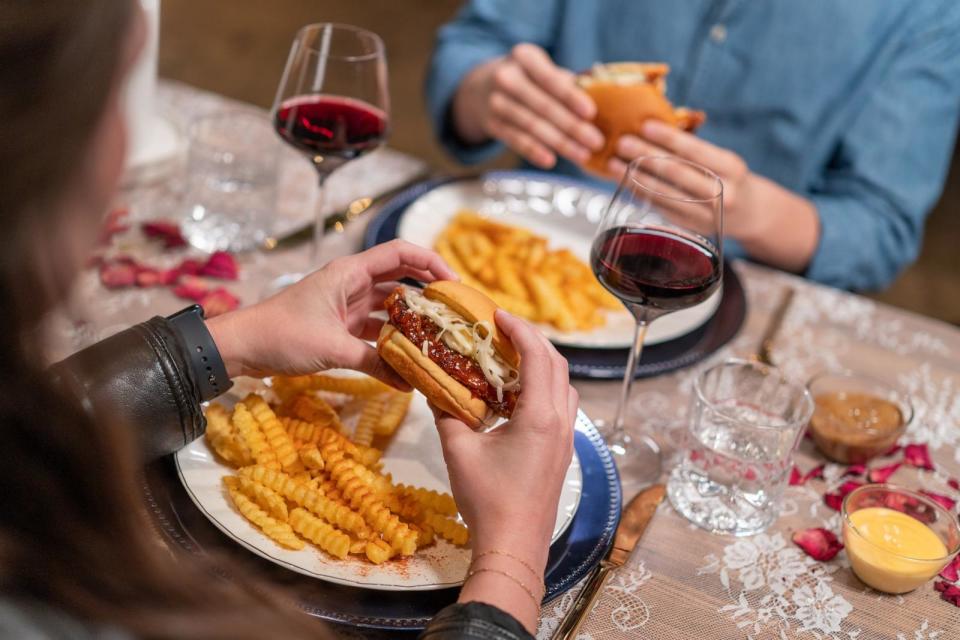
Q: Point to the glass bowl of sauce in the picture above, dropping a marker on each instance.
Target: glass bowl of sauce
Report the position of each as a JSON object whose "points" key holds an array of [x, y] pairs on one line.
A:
{"points": [[856, 417], [897, 539]]}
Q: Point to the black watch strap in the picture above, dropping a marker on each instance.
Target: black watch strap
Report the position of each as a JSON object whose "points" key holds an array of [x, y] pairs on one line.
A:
{"points": [[208, 367]]}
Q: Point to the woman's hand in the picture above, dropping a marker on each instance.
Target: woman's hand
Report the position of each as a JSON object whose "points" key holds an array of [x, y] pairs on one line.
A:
{"points": [[323, 321], [774, 225], [507, 482], [531, 105]]}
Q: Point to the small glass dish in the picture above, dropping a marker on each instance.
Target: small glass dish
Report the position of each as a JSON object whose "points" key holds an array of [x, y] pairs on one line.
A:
{"points": [[911, 553], [856, 417]]}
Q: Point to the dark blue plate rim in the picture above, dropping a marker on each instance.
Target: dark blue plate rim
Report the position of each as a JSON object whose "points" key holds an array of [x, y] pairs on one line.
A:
{"points": [[579, 549], [595, 363]]}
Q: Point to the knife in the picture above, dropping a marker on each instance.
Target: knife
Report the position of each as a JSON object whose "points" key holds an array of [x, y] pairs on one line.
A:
{"points": [[633, 523], [336, 221]]}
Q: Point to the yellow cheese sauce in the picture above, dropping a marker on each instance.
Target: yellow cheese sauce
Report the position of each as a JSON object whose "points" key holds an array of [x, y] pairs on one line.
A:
{"points": [[882, 537]]}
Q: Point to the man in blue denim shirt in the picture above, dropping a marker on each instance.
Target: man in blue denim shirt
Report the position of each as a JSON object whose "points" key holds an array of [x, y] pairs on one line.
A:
{"points": [[830, 123]]}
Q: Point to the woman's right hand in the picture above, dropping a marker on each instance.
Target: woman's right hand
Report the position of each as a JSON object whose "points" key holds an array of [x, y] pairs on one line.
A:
{"points": [[530, 104], [507, 481]]}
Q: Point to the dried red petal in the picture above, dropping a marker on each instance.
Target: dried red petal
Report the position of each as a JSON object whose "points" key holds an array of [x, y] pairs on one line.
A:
{"points": [[115, 222], [892, 450], [814, 474], [220, 265], [190, 267], [796, 478], [918, 455], [954, 484], [148, 277], [881, 474], [856, 470], [168, 232], [118, 274], [834, 499], [944, 501], [218, 301], [191, 288], [948, 592], [818, 543], [951, 572]]}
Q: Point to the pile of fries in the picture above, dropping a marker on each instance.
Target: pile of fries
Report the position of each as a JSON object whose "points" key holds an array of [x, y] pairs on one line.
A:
{"points": [[300, 478], [517, 270]]}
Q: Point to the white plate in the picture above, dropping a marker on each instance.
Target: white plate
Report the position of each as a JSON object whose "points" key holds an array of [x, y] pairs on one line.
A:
{"points": [[568, 216], [413, 457]]}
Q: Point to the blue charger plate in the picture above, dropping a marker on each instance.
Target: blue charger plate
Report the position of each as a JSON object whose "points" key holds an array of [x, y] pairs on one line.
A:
{"points": [[604, 364], [571, 556]]}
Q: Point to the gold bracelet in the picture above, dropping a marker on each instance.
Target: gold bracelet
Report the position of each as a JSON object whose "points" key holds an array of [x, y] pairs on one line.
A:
{"points": [[498, 552], [536, 601]]}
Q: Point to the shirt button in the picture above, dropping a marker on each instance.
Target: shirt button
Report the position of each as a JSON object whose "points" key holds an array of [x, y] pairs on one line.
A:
{"points": [[718, 33]]}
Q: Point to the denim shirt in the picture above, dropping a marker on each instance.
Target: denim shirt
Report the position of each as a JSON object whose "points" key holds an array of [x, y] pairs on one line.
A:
{"points": [[852, 104]]}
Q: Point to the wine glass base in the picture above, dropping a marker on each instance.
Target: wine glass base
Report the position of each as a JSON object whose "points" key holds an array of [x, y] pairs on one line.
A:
{"points": [[638, 460], [280, 283]]}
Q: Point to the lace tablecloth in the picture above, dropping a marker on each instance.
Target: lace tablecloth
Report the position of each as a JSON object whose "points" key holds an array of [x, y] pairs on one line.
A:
{"points": [[681, 582]]}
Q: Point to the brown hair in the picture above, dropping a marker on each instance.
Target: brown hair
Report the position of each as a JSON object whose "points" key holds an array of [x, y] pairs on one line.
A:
{"points": [[73, 534]]}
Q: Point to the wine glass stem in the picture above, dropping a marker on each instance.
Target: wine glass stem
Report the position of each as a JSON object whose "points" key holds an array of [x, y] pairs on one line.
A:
{"points": [[319, 220], [639, 332]]}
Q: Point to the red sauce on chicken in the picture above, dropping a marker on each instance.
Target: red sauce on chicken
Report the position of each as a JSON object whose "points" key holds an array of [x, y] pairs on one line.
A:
{"points": [[419, 329]]}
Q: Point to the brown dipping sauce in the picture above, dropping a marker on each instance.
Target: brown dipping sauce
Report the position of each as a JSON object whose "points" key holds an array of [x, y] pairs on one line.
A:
{"points": [[853, 427]]}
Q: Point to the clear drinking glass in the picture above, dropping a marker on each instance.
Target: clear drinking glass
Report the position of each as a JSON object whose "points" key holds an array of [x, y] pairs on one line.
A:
{"points": [[746, 420], [658, 249], [231, 189], [332, 104]]}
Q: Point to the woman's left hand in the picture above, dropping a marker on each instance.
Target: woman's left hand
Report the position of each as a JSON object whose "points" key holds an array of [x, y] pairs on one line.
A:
{"points": [[323, 321]]}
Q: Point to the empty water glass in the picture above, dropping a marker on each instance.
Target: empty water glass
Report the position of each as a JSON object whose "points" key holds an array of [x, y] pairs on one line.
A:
{"points": [[231, 192], [746, 420]]}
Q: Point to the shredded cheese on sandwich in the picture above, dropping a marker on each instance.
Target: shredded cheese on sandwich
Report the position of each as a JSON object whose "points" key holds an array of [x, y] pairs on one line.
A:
{"points": [[466, 339]]}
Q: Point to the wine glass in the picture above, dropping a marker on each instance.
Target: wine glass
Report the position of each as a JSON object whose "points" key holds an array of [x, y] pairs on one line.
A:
{"points": [[659, 249], [332, 105]]}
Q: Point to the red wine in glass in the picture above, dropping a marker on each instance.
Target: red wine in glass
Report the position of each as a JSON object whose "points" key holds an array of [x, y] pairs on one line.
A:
{"points": [[337, 126], [658, 268]]}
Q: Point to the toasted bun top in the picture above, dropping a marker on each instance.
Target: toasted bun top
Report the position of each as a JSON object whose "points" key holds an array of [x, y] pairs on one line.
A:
{"points": [[626, 73], [473, 306]]}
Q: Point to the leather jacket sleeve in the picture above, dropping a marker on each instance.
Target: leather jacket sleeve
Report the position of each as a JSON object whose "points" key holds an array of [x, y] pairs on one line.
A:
{"points": [[142, 377], [474, 620]]}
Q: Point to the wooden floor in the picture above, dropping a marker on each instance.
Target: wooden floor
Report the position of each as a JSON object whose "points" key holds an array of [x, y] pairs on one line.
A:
{"points": [[238, 48]]}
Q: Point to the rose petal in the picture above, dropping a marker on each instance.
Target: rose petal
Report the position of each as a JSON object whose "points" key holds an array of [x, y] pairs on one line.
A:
{"points": [[951, 572], [220, 265], [834, 499], [948, 592], [191, 288], [218, 301], [815, 473], [117, 274], [917, 455], [115, 222], [190, 267], [944, 501], [892, 450], [796, 478], [881, 474], [820, 544], [954, 484], [149, 277], [164, 230], [855, 470]]}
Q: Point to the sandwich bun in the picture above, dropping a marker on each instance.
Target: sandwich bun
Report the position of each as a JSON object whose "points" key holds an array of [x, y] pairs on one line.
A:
{"points": [[422, 373], [627, 94]]}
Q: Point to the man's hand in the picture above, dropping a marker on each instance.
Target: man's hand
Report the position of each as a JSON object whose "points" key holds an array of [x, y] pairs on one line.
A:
{"points": [[531, 105]]}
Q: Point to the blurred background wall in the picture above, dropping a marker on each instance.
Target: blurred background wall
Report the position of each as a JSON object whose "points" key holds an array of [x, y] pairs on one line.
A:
{"points": [[239, 47]]}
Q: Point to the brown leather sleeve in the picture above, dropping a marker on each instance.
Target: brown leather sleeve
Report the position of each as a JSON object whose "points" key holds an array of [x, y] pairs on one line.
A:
{"points": [[141, 377]]}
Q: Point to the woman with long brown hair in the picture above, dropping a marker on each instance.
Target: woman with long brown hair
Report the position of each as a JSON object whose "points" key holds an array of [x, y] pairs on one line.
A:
{"points": [[78, 557]]}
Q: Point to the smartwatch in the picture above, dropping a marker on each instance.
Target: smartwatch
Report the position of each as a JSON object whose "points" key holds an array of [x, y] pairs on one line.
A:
{"points": [[208, 367]]}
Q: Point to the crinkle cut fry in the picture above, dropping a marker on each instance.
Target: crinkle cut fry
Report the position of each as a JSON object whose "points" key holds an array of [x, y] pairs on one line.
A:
{"points": [[450, 530], [366, 455], [377, 515], [223, 437], [367, 423], [315, 410], [265, 497], [279, 532], [378, 551], [353, 386], [329, 539], [253, 438], [394, 411], [442, 503], [334, 458], [303, 495], [278, 438]]}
